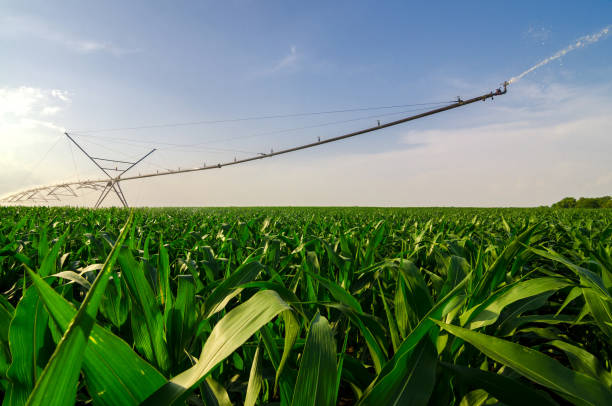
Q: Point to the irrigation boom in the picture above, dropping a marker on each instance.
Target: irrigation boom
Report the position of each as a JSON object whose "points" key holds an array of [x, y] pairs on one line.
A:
{"points": [[112, 183]]}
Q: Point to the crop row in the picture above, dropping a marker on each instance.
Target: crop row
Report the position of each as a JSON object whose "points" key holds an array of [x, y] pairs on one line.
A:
{"points": [[305, 306]]}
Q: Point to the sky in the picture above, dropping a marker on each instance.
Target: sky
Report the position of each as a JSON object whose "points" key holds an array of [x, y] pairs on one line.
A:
{"points": [[100, 69]]}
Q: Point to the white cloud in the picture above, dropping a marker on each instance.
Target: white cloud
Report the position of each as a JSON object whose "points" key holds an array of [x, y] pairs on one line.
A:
{"points": [[25, 102], [15, 26], [50, 110], [19, 101], [41, 124], [60, 94], [25, 118], [538, 34], [28, 132], [289, 61]]}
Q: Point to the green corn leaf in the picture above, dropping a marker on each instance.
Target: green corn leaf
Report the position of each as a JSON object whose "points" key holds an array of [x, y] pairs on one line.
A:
{"points": [[292, 330], [214, 393], [286, 381], [571, 296], [48, 264], [355, 374], [163, 283], [508, 391], [417, 296], [43, 244], [58, 382], [182, 318], [536, 366], [7, 312], [147, 319], [513, 312], [255, 381], [401, 309], [374, 243], [316, 379], [18, 226], [338, 260], [212, 267], [443, 307], [73, 277], [5, 361], [393, 331], [115, 374], [595, 293], [371, 332], [583, 361], [412, 298], [510, 326], [410, 382], [458, 267], [478, 397], [229, 288], [115, 305], [189, 265], [495, 273], [488, 312], [340, 367], [338, 292], [286, 294], [163, 274], [229, 333], [30, 346]]}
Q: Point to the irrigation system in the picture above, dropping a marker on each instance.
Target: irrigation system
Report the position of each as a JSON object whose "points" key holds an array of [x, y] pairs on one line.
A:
{"points": [[114, 175]]}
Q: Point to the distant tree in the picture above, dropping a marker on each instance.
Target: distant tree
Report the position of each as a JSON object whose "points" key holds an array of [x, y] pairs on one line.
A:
{"points": [[584, 203], [565, 203], [587, 203], [605, 201]]}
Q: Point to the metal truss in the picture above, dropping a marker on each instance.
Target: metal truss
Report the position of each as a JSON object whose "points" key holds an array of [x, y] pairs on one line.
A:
{"points": [[112, 184], [54, 193]]}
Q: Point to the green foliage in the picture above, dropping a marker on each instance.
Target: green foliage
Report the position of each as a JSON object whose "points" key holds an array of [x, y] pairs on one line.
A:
{"points": [[565, 203], [300, 306], [604, 202], [316, 380]]}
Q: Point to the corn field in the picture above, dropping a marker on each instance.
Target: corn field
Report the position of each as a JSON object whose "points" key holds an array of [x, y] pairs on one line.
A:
{"points": [[305, 306]]}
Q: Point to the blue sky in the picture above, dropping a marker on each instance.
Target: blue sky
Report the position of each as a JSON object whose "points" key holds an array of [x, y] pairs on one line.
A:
{"points": [[99, 65]]}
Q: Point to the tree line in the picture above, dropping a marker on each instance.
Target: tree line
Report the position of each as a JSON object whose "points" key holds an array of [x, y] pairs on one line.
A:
{"points": [[584, 203]]}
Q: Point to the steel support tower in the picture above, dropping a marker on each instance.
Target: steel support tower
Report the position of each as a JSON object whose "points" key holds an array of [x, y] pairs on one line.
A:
{"points": [[112, 183]]}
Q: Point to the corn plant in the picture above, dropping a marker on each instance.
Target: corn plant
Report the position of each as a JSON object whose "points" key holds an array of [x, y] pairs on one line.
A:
{"points": [[305, 306]]}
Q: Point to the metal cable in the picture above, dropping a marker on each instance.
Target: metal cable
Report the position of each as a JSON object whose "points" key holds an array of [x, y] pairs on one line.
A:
{"points": [[287, 130], [265, 117], [73, 160], [18, 197], [29, 173]]}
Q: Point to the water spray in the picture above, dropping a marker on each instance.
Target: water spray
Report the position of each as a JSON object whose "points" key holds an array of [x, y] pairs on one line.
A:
{"points": [[580, 43]]}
